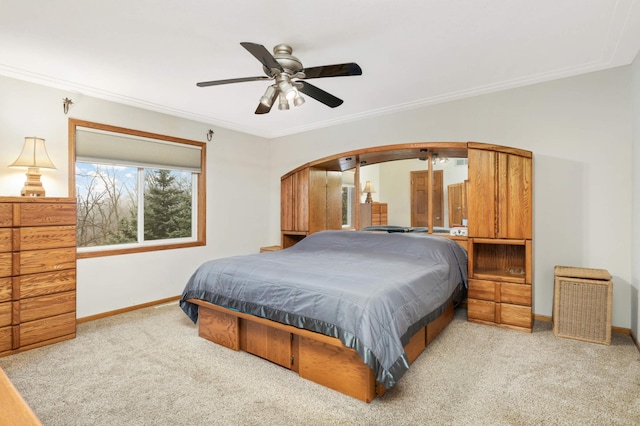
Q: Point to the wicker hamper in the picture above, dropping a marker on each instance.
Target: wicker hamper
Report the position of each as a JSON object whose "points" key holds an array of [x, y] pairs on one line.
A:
{"points": [[582, 302]]}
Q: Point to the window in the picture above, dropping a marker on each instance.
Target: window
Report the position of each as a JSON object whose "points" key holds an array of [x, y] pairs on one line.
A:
{"points": [[348, 197], [136, 191], [347, 202]]}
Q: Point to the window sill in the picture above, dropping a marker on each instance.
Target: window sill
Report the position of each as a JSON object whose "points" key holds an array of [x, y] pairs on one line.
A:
{"points": [[140, 249]]}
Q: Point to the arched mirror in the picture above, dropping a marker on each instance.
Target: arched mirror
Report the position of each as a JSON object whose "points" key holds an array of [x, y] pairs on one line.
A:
{"points": [[419, 186], [403, 187]]}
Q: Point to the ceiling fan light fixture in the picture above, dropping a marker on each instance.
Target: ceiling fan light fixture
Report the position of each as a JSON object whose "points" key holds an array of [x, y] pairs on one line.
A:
{"points": [[267, 98], [283, 103], [291, 94], [287, 89], [298, 99]]}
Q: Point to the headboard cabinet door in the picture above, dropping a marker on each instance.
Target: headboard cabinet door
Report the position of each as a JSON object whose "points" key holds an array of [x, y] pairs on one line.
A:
{"points": [[482, 195], [514, 197], [310, 201], [500, 195]]}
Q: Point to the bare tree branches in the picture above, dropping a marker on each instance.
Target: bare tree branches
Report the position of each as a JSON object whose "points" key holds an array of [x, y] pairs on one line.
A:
{"points": [[107, 196], [108, 204]]}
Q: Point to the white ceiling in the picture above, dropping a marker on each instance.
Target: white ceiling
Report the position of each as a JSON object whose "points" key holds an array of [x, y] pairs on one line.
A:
{"points": [[151, 53]]}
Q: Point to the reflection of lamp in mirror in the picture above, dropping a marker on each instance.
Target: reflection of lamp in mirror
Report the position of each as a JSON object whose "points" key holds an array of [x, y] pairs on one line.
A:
{"points": [[368, 189], [33, 156]]}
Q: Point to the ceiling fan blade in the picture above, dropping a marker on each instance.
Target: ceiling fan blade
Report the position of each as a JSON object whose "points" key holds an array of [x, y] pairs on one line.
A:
{"points": [[262, 108], [231, 80], [338, 70], [263, 55], [318, 94]]}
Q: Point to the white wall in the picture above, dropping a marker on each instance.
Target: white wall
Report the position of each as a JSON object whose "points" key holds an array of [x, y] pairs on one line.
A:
{"points": [[579, 130], [635, 234], [237, 191]]}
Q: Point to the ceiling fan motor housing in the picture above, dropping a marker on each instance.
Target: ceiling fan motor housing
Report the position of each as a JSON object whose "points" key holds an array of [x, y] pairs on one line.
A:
{"points": [[290, 64]]}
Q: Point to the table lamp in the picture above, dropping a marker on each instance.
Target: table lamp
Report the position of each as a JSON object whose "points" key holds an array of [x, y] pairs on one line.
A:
{"points": [[33, 156], [368, 189]]}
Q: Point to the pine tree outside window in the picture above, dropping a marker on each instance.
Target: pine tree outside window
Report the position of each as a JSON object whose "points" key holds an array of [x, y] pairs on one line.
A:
{"points": [[167, 205]]}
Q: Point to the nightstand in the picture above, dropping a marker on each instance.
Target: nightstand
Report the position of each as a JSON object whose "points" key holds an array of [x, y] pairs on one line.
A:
{"points": [[270, 248]]}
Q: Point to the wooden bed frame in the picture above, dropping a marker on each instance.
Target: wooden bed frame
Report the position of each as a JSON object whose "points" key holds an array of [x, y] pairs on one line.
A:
{"points": [[314, 356]]}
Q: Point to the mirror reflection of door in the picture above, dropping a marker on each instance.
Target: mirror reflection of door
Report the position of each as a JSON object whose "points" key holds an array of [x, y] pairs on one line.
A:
{"points": [[457, 196], [420, 197]]}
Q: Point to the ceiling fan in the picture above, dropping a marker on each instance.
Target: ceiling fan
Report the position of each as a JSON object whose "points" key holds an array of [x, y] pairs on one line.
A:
{"points": [[289, 78]]}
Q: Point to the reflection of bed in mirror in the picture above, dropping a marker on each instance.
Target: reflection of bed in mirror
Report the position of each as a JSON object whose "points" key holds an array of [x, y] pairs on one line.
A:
{"points": [[458, 237], [396, 228]]}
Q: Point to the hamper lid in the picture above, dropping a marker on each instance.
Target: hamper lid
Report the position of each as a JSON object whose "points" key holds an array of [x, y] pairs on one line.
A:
{"points": [[573, 272]]}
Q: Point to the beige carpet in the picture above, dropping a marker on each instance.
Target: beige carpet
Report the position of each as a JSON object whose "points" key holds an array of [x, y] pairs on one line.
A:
{"points": [[149, 367]]}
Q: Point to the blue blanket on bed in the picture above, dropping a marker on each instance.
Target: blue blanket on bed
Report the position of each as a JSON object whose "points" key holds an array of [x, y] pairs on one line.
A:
{"points": [[371, 291]]}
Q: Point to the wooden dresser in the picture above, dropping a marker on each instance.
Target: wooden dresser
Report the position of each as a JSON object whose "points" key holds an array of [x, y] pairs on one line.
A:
{"points": [[37, 272], [373, 214]]}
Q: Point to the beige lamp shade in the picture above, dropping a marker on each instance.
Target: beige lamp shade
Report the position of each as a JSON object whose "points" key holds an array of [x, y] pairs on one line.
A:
{"points": [[34, 154], [368, 189]]}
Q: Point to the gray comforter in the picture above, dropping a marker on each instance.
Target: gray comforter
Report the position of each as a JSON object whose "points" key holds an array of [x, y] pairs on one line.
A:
{"points": [[371, 291]]}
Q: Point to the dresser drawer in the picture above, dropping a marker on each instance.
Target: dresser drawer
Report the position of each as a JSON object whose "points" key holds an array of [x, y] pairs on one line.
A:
{"points": [[5, 314], [35, 261], [44, 214], [484, 290], [517, 294], [6, 215], [5, 240], [43, 237], [516, 315], [46, 283], [379, 219], [5, 264], [379, 208], [500, 292], [5, 339], [46, 329], [5, 289], [35, 308], [481, 310]]}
